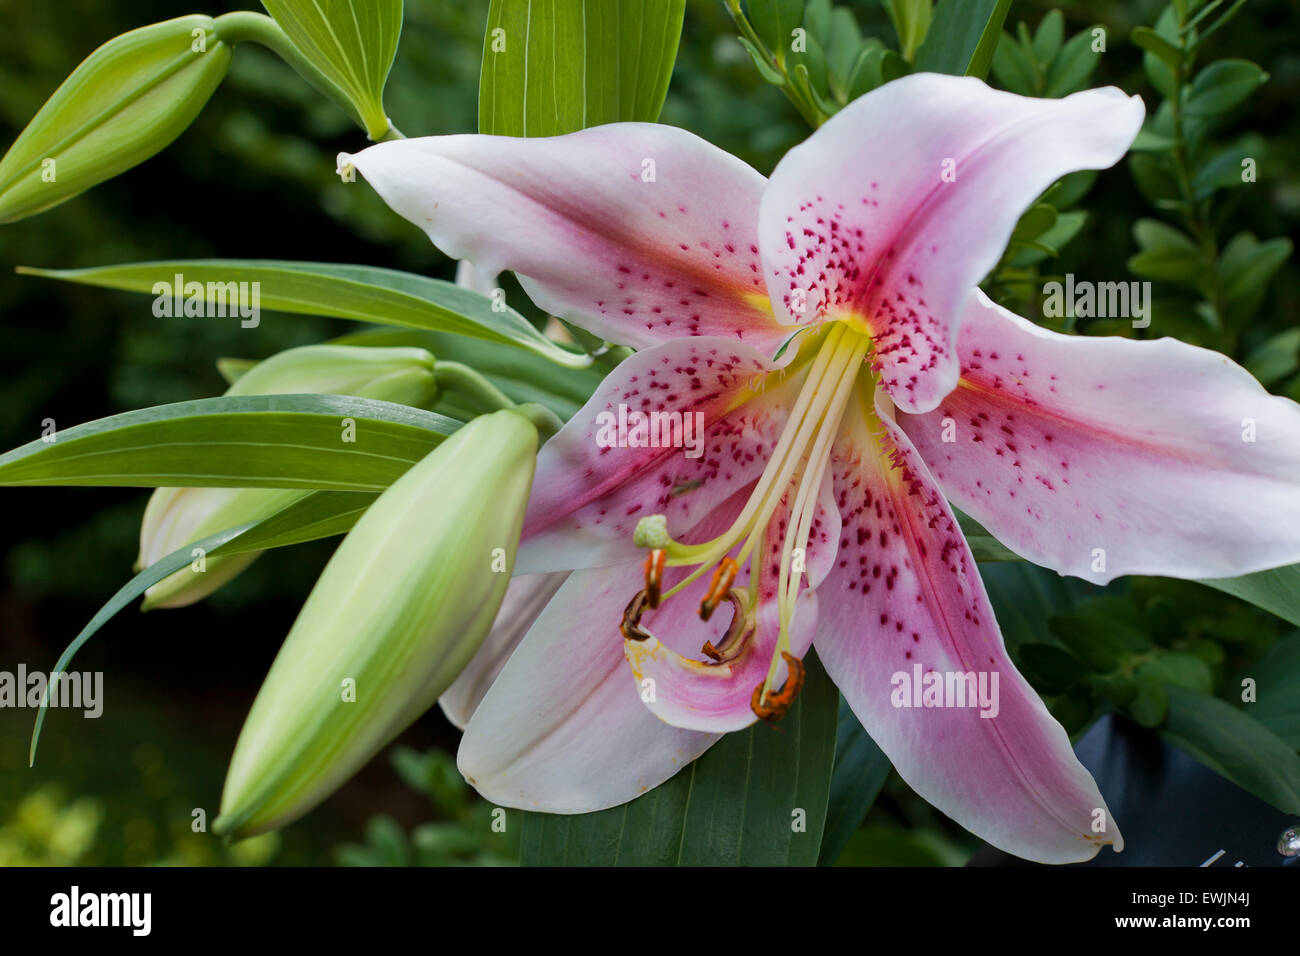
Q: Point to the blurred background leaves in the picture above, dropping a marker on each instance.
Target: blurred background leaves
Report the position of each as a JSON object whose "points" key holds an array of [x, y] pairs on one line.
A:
{"points": [[254, 177]]}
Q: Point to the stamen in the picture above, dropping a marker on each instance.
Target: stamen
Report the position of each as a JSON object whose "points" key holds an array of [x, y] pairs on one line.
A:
{"points": [[724, 575], [631, 625], [734, 640], [654, 575], [776, 703]]}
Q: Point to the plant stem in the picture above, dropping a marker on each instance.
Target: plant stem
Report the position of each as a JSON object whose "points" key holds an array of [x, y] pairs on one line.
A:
{"points": [[469, 384]]}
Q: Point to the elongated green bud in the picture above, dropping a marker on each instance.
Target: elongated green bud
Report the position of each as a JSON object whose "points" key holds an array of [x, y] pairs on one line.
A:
{"points": [[177, 516], [397, 614], [125, 102]]}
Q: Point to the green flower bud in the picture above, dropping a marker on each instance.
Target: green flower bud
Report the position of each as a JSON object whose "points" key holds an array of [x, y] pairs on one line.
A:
{"points": [[125, 102], [396, 615], [177, 516]]}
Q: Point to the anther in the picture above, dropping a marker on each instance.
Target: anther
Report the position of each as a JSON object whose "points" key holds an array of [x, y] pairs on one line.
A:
{"points": [[730, 644], [654, 575], [724, 575], [631, 624], [777, 702]]}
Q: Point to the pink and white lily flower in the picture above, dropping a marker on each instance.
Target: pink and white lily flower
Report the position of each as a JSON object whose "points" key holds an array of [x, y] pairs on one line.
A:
{"points": [[824, 330]]}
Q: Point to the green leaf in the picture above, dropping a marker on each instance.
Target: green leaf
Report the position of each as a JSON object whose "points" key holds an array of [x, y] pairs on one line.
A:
{"points": [[963, 37], [735, 805], [1151, 705], [257, 441], [1276, 358], [1049, 36], [1234, 745], [551, 67], [1167, 254], [1277, 689], [775, 21], [362, 293], [125, 102], [911, 19], [319, 514], [1222, 85], [1074, 65], [1012, 66], [1037, 220], [352, 42], [1181, 669], [861, 769], [1225, 169], [1155, 44], [1276, 590], [1066, 227], [1248, 265], [765, 69]]}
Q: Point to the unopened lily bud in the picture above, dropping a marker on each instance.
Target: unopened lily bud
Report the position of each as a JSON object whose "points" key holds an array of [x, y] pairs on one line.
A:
{"points": [[396, 615], [177, 516], [125, 102]]}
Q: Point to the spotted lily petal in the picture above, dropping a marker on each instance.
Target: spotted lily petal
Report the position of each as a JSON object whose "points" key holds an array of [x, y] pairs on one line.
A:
{"points": [[1099, 457], [589, 494], [891, 212], [906, 599], [637, 232]]}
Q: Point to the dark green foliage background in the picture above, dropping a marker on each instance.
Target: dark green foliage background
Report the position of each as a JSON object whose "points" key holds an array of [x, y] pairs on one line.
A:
{"points": [[254, 177]]}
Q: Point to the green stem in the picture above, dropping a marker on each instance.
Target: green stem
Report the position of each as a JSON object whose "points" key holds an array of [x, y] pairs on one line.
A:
{"points": [[1195, 216], [811, 113], [469, 384], [542, 418], [246, 26]]}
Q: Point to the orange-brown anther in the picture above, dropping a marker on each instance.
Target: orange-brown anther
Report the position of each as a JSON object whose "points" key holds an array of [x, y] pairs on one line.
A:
{"points": [[654, 575], [778, 702], [631, 624], [724, 575]]}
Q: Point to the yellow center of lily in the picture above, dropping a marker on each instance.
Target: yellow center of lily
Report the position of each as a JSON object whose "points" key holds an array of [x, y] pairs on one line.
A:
{"points": [[798, 465]]}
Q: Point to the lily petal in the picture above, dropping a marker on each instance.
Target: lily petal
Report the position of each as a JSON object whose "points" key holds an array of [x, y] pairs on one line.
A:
{"points": [[1099, 457], [715, 696], [637, 232], [526, 596], [588, 496], [563, 729], [906, 599], [894, 230]]}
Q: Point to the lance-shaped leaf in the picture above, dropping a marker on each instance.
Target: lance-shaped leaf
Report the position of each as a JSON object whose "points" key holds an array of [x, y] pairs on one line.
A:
{"points": [[551, 67], [125, 102], [1276, 590], [256, 441], [363, 293], [963, 37], [352, 42]]}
